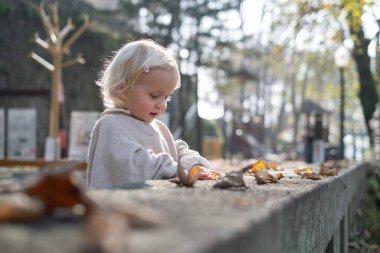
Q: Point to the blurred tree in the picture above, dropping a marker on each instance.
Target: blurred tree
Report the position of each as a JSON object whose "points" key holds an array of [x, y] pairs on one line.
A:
{"points": [[368, 94], [25, 84], [191, 29], [331, 23]]}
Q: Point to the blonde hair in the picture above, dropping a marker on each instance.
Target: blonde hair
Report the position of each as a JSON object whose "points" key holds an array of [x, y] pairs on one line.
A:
{"points": [[128, 64]]}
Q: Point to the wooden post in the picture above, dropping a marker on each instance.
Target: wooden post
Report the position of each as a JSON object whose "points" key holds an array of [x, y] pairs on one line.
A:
{"points": [[54, 44]]}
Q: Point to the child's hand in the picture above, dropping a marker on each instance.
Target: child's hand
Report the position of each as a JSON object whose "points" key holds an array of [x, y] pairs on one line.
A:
{"points": [[207, 174]]}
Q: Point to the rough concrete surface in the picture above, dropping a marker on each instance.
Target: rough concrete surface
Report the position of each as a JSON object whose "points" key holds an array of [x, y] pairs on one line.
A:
{"points": [[294, 215]]}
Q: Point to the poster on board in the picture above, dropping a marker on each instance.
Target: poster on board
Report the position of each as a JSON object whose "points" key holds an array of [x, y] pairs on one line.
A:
{"points": [[81, 124], [22, 133]]}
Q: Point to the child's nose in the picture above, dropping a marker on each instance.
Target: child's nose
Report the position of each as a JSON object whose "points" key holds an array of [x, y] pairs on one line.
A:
{"points": [[162, 103]]}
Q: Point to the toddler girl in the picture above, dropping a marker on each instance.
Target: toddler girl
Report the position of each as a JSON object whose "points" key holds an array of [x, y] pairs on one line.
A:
{"points": [[128, 143]]}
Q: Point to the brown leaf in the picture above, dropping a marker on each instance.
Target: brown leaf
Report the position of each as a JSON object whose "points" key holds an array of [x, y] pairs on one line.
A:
{"points": [[328, 172], [311, 176], [264, 177], [232, 180], [57, 190]]}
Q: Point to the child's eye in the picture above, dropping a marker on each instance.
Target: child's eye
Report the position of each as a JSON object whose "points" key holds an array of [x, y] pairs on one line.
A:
{"points": [[153, 96]]}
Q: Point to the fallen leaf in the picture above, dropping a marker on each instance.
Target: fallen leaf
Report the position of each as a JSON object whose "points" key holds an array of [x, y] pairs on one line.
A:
{"points": [[252, 168], [58, 190], [232, 180], [303, 170], [273, 165], [263, 176], [310, 175], [328, 172], [210, 175], [187, 178]]}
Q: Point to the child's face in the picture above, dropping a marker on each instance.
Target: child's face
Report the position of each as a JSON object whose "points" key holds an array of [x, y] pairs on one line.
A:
{"points": [[149, 97]]}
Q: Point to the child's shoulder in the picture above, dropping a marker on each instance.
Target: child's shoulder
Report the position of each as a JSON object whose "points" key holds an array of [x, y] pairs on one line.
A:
{"points": [[160, 124], [111, 120]]}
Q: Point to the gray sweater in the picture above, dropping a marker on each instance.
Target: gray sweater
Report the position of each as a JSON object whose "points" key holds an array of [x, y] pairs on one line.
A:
{"points": [[125, 150]]}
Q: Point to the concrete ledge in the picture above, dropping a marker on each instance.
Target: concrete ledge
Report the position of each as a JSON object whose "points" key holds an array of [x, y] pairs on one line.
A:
{"points": [[295, 215]]}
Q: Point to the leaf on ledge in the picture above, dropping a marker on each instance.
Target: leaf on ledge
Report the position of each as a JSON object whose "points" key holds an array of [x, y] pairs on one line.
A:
{"points": [[303, 170], [232, 180], [263, 176], [328, 172], [185, 177], [60, 190], [310, 175]]}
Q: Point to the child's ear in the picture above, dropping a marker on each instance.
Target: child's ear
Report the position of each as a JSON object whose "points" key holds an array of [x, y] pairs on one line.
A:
{"points": [[123, 94]]}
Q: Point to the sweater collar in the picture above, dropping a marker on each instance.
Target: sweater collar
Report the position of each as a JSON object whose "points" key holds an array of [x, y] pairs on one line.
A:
{"points": [[121, 111], [115, 111]]}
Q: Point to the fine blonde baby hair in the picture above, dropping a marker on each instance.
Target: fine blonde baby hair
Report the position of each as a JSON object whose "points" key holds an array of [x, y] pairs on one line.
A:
{"points": [[128, 64]]}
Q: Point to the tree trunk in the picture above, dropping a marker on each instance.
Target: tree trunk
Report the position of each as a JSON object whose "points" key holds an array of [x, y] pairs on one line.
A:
{"points": [[368, 95]]}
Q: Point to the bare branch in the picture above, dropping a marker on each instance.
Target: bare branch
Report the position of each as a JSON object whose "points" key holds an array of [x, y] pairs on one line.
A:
{"points": [[42, 61], [74, 37], [40, 42], [54, 10], [47, 24], [77, 59], [69, 26]]}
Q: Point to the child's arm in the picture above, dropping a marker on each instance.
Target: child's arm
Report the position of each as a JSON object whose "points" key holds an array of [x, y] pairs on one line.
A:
{"points": [[188, 158]]}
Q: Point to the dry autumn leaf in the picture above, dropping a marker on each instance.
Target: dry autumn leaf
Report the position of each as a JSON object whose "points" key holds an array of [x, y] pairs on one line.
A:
{"points": [[210, 175], [232, 180], [263, 176], [330, 164], [310, 175], [259, 165], [328, 172], [59, 190], [273, 165], [303, 170], [187, 178]]}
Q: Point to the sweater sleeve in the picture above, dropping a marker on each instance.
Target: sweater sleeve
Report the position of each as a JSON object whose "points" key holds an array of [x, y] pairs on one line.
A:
{"points": [[114, 159], [187, 157]]}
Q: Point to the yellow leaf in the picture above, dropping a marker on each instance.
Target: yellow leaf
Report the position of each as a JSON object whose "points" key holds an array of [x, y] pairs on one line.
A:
{"points": [[259, 165], [303, 170]]}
